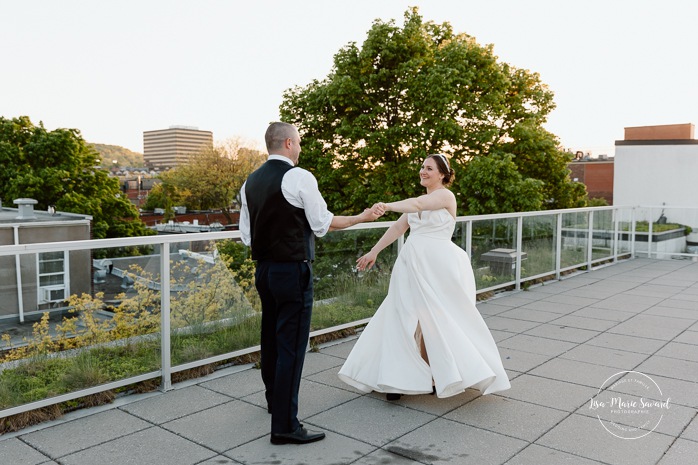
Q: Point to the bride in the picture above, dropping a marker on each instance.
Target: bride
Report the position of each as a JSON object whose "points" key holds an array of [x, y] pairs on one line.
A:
{"points": [[427, 336]]}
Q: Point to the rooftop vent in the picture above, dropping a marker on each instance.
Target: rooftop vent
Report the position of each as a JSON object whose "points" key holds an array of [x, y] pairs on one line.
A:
{"points": [[26, 208]]}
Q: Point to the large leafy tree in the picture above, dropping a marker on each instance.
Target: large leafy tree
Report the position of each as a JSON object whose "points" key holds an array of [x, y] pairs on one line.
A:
{"points": [[210, 180], [59, 168], [420, 89]]}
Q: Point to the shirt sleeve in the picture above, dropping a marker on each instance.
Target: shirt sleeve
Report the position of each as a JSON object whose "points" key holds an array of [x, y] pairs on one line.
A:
{"points": [[300, 189], [244, 222]]}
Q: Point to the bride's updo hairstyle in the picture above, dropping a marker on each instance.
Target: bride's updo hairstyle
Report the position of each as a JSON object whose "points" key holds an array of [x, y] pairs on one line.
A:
{"points": [[444, 168]]}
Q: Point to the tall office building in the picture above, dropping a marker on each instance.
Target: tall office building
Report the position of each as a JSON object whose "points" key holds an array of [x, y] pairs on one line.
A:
{"points": [[167, 148]]}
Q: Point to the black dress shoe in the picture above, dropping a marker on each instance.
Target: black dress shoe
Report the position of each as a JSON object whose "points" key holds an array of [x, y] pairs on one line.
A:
{"points": [[299, 436], [393, 396]]}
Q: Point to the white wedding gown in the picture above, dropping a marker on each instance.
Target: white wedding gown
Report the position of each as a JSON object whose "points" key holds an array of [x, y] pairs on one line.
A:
{"points": [[432, 284]]}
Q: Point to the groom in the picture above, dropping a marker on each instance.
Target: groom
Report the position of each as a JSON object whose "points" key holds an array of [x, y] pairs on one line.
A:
{"points": [[282, 212]]}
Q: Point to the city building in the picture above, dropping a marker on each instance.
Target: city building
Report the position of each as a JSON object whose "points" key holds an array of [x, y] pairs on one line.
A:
{"points": [[595, 173], [167, 148], [656, 166], [33, 283]]}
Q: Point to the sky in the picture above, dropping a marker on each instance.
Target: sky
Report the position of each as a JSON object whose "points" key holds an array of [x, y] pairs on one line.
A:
{"points": [[113, 69]]}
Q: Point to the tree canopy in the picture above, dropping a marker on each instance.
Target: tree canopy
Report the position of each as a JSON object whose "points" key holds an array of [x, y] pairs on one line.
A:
{"points": [[210, 180], [421, 89], [59, 168]]}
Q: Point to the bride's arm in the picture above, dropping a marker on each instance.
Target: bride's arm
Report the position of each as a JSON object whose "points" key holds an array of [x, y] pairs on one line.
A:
{"points": [[440, 198], [396, 230]]}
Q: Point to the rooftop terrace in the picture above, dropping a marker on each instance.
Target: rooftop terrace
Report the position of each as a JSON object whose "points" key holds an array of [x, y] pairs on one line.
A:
{"points": [[559, 342]]}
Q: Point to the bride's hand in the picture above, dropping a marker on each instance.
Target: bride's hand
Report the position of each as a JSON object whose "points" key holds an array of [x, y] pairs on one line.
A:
{"points": [[367, 261]]}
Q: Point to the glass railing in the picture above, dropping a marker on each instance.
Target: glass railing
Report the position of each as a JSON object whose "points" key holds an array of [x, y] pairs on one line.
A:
{"points": [[110, 316]]}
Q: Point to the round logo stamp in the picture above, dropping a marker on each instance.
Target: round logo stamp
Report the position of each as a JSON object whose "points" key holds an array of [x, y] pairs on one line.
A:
{"points": [[629, 405]]}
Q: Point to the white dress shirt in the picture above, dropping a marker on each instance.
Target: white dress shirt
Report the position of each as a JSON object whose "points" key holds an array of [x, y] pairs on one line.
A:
{"points": [[300, 189]]}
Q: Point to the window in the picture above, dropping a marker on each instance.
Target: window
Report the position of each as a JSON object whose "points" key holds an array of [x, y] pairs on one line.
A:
{"points": [[52, 276]]}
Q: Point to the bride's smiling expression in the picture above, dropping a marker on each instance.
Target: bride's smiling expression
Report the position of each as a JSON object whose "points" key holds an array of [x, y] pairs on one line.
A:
{"points": [[429, 175]]}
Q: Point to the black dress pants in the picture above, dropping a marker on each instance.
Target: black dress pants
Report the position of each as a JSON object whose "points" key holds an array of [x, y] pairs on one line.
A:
{"points": [[286, 292]]}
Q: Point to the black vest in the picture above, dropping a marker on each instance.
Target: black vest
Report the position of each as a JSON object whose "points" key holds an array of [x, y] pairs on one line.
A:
{"points": [[280, 232]]}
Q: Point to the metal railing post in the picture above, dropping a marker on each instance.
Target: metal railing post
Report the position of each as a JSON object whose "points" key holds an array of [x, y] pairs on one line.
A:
{"points": [[558, 246], [519, 245], [649, 234], [165, 346], [590, 239]]}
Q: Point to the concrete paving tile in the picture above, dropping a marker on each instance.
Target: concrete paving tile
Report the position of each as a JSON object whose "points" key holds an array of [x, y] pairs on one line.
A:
{"points": [[594, 293], [84, 433], [175, 404], [501, 335], [586, 437], [371, 420], [580, 302], [491, 308], [562, 333], [223, 427], [432, 404], [15, 451], [603, 356], [673, 312], [448, 442], [536, 345], [329, 377], [681, 303], [679, 351], [510, 417], [582, 322], [686, 296], [628, 302], [312, 398], [554, 307], [691, 433], [529, 314], [682, 452], [670, 367], [519, 360], [539, 455], [652, 326], [526, 294], [334, 449], [549, 392], [340, 350], [237, 385], [628, 343], [153, 446], [653, 290], [383, 457], [629, 278], [670, 281], [572, 371], [509, 324], [603, 314], [514, 300], [220, 460], [315, 362]]}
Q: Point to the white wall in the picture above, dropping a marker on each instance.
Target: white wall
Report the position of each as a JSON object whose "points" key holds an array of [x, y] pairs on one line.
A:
{"points": [[656, 174]]}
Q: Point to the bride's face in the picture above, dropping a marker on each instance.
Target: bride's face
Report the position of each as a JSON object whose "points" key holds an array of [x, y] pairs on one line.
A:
{"points": [[429, 175]]}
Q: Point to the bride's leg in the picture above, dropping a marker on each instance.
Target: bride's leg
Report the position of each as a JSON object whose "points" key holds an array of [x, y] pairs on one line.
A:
{"points": [[419, 337]]}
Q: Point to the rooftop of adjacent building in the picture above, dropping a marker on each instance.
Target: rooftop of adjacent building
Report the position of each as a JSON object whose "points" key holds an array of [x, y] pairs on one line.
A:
{"points": [[26, 213]]}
